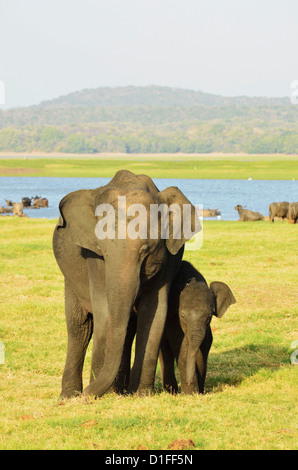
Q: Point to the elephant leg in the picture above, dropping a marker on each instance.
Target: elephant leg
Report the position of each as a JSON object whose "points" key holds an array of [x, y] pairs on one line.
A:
{"points": [[152, 312], [201, 369], [122, 379], [167, 366], [202, 359], [79, 329]]}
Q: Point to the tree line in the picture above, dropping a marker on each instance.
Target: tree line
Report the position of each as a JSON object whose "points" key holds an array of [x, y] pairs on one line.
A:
{"points": [[203, 138], [122, 120]]}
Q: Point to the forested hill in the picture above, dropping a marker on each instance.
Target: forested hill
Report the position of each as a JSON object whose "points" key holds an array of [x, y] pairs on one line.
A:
{"points": [[154, 96], [152, 119]]}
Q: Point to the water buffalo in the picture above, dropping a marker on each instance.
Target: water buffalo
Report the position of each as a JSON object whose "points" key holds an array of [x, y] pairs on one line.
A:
{"points": [[18, 209], [40, 202], [248, 215], [5, 210], [278, 209], [293, 212], [211, 213], [26, 201]]}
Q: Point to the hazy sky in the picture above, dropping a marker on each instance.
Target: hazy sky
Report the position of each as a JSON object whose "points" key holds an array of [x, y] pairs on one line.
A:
{"points": [[230, 47]]}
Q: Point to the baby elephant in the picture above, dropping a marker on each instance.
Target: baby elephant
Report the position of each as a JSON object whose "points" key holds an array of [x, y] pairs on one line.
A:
{"points": [[187, 336]]}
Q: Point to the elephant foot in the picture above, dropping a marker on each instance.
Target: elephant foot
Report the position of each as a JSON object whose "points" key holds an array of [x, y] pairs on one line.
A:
{"points": [[172, 389], [65, 394], [142, 392], [191, 389]]}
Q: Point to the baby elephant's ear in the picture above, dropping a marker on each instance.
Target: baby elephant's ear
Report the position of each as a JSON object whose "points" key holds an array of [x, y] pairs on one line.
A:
{"points": [[224, 297]]}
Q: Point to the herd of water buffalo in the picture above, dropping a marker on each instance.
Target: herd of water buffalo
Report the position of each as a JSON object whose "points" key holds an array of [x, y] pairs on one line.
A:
{"points": [[16, 208], [277, 210]]}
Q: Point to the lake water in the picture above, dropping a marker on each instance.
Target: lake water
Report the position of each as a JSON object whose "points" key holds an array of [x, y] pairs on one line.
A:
{"points": [[214, 194]]}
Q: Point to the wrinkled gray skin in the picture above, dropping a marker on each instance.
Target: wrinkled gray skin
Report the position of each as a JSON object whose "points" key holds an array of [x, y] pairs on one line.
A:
{"points": [[278, 209], [187, 336], [247, 215], [104, 279], [293, 212]]}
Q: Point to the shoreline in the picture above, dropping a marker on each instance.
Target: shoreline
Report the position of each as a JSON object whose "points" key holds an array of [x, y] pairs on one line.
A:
{"points": [[150, 156], [193, 166]]}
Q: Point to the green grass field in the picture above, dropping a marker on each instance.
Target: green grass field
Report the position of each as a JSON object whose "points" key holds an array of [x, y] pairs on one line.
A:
{"points": [[251, 386], [172, 166]]}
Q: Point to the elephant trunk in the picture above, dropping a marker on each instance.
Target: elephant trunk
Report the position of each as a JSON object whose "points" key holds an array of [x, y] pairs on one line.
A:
{"points": [[193, 349], [122, 290]]}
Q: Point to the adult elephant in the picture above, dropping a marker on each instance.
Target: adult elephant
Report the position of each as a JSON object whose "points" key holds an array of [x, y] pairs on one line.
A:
{"points": [[105, 276]]}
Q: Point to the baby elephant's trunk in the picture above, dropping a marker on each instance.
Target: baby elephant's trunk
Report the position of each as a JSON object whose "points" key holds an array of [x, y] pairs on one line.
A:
{"points": [[193, 348]]}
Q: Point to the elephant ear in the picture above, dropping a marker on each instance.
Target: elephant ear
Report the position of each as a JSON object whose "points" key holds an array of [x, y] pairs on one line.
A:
{"points": [[182, 222], [77, 219], [224, 297]]}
